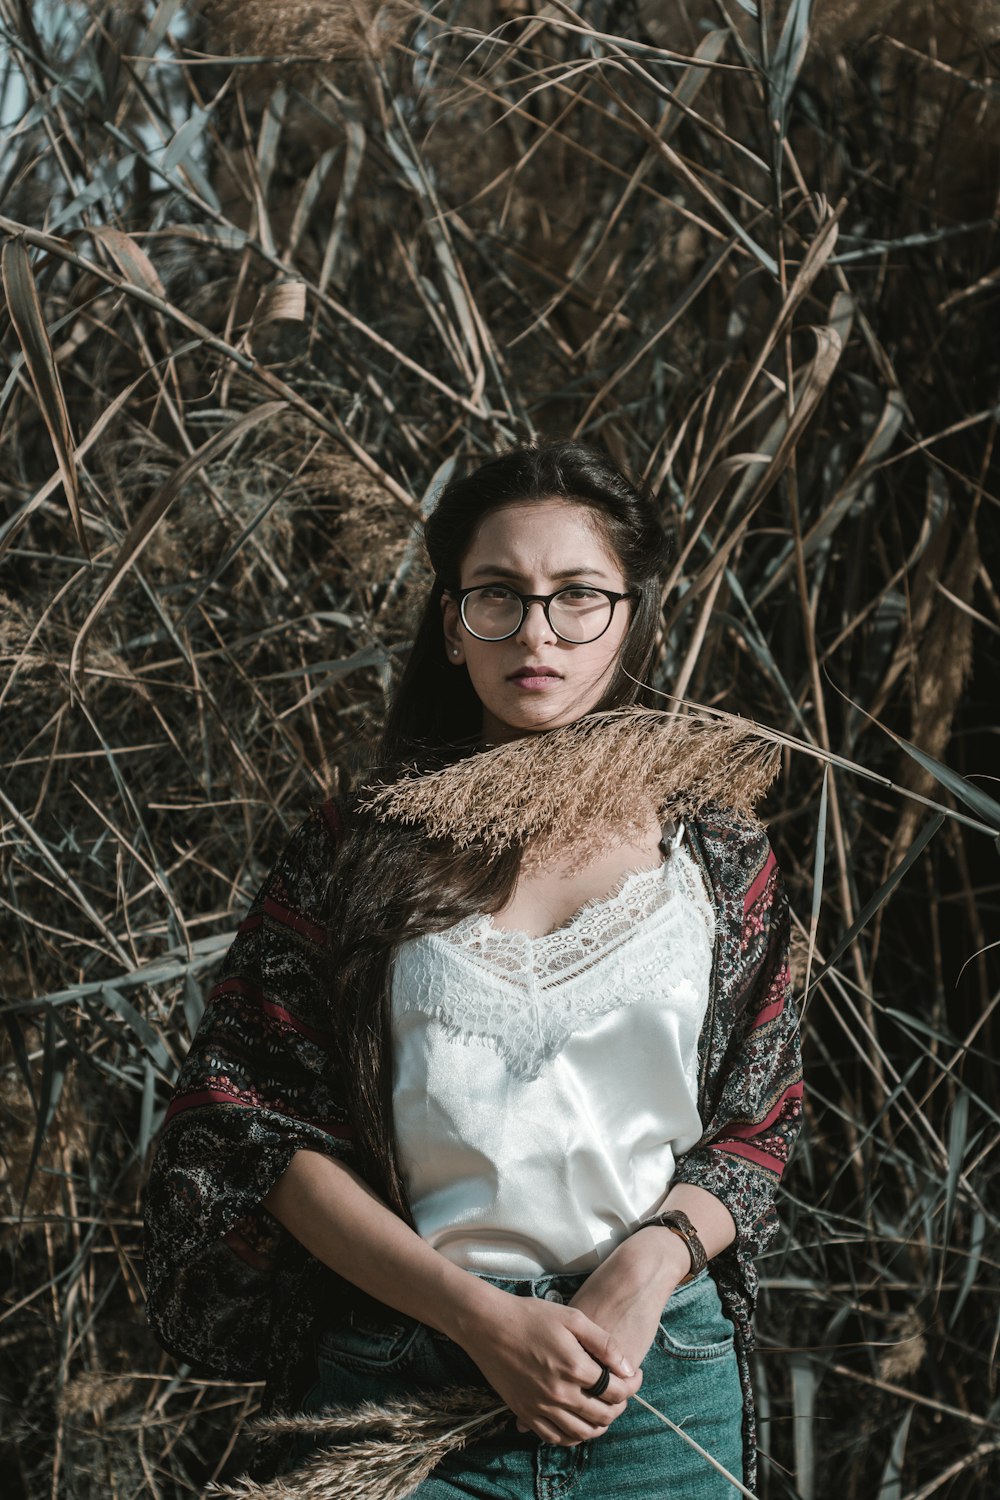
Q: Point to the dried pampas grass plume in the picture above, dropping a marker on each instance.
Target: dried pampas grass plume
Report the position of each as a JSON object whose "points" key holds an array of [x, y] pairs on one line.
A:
{"points": [[389, 1448], [384, 1451], [326, 30], [599, 775]]}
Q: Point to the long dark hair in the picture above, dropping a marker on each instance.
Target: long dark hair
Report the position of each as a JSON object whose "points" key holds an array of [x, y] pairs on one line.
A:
{"points": [[391, 882]]}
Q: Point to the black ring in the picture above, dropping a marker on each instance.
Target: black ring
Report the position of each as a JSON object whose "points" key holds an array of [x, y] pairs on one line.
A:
{"points": [[600, 1384]]}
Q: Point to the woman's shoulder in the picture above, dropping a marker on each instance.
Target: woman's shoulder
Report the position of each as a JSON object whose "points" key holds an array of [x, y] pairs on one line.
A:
{"points": [[322, 826], [740, 833], [299, 875], [319, 831], [735, 848]]}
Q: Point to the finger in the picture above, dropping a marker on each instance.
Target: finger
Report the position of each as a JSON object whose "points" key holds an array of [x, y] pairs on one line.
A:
{"points": [[579, 1429], [601, 1413], [621, 1390], [599, 1345], [550, 1433], [600, 1385], [573, 1424], [618, 1388]]}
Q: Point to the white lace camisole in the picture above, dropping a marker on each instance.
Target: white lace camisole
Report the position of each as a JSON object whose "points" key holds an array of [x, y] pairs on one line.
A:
{"points": [[543, 1086]]}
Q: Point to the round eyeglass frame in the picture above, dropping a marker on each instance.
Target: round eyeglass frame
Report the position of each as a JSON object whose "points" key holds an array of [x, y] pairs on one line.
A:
{"points": [[545, 600]]}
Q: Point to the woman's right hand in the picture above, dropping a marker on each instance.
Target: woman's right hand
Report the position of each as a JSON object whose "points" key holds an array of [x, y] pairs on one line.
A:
{"points": [[540, 1357]]}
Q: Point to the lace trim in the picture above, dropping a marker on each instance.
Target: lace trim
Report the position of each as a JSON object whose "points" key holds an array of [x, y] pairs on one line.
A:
{"points": [[525, 996]]}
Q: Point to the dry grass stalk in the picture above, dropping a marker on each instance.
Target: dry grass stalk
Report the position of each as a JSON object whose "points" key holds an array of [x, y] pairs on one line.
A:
{"points": [[394, 1446], [942, 667], [26, 1201], [597, 776]]}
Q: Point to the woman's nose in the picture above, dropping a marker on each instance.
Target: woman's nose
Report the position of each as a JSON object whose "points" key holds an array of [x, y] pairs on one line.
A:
{"points": [[535, 627]]}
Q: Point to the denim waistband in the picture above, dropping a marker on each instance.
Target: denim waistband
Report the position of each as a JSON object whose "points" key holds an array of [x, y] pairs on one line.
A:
{"points": [[560, 1286], [554, 1286]]}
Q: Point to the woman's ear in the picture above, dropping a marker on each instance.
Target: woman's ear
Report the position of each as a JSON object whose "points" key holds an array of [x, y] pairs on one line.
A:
{"points": [[454, 647]]}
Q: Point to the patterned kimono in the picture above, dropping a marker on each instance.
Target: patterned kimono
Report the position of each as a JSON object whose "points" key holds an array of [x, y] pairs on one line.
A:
{"points": [[233, 1293]]}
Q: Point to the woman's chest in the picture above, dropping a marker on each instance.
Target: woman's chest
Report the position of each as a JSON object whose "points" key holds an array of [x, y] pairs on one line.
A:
{"points": [[549, 897], [642, 955]]}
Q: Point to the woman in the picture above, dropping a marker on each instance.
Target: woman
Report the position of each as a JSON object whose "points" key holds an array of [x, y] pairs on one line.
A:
{"points": [[489, 1090]]}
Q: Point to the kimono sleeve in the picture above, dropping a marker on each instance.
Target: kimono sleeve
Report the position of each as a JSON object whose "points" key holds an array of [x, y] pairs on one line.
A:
{"points": [[261, 1081], [752, 1056]]}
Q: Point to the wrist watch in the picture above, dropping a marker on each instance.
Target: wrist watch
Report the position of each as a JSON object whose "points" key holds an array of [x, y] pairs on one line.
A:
{"points": [[678, 1222]]}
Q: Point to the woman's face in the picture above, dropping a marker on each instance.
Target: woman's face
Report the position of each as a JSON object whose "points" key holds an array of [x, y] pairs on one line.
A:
{"points": [[537, 547]]}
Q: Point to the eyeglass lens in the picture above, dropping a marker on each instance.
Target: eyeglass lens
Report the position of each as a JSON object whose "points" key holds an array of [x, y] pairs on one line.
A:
{"points": [[577, 614]]}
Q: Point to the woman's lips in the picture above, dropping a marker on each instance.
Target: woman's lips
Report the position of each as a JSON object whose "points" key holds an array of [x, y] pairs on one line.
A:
{"points": [[535, 679]]}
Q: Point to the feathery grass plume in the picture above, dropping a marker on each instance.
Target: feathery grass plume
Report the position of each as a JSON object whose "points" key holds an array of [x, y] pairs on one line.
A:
{"points": [[400, 1417], [599, 775], [903, 1358], [93, 1393], [33, 1189], [838, 22], [420, 1430], [324, 29], [394, 1445], [372, 532], [16, 645]]}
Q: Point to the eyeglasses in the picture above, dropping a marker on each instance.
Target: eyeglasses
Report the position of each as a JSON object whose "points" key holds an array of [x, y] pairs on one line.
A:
{"points": [[492, 612]]}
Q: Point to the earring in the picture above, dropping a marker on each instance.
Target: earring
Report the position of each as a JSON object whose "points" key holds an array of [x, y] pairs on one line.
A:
{"points": [[454, 650]]}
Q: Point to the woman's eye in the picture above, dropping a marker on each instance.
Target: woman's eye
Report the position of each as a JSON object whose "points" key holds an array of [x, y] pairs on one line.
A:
{"points": [[495, 591], [580, 596]]}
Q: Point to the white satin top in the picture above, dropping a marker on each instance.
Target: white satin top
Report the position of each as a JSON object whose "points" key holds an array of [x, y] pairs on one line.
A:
{"points": [[543, 1086]]}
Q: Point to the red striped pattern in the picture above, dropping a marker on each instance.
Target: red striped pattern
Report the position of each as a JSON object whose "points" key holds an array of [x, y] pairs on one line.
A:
{"points": [[288, 918], [256, 997], [759, 886], [769, 1012], [198, 1097], [793, 1091], [751, 1153]]}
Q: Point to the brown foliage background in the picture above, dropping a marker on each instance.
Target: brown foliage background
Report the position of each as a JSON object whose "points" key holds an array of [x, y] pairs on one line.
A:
{"points": [[269, 271]]}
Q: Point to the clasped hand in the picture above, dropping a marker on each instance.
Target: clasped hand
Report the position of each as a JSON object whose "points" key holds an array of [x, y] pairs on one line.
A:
{"points": [[541, 1357]]}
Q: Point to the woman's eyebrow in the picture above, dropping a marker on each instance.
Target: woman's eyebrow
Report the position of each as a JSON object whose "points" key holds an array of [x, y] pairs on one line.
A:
{"points": [[496, 572]]}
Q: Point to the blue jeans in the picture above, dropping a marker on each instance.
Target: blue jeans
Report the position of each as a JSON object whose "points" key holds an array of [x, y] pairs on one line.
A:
{"points": [[690, 1374]]}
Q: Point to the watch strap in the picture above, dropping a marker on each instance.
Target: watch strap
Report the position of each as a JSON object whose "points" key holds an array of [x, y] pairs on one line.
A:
{"points": [[677, 1221]]}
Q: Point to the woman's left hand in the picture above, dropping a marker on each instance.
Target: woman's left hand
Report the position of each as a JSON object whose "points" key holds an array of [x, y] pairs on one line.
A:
{"points": [[627, 1292]]}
